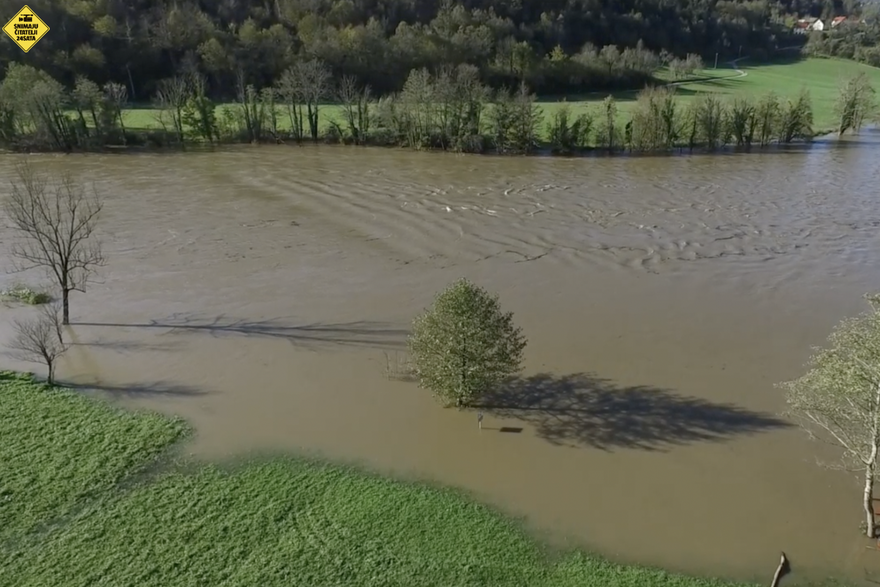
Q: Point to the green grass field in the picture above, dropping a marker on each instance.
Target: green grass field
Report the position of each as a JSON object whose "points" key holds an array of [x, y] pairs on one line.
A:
{"points": [[822, 76], [286, 522]]}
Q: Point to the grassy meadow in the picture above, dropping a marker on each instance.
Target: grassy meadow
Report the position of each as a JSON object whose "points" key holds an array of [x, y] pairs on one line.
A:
{"points": [[823, 77], [79, 508]]}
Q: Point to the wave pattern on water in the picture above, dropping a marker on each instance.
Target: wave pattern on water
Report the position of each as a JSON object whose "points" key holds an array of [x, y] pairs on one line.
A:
{"points": [[792, 213], [746, 210]]}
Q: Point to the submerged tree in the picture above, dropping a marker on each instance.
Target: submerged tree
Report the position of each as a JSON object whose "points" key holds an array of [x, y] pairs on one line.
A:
{"points": [[743, 121], [796, 118], [56, 222], [855, 104], [171, 100], [464, 345], [608, 133], [39, 340], [768, 113], [568, 134], [838, 399]]}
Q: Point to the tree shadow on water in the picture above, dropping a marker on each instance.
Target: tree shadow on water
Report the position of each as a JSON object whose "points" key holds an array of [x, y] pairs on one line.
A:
{"points": [[584, 410], [128, 346], [154, 388], [316, 334]]}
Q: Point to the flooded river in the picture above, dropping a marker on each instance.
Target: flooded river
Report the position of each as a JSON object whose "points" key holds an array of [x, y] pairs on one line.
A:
{"points": [[263, 292]]}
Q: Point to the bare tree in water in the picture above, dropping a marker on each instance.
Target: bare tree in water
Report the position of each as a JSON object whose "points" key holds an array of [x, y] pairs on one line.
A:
{"points": [[39, 340], [56, 222]]}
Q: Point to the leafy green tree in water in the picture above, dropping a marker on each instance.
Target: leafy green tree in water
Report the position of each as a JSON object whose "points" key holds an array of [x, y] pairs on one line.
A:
{"points": [[838, 399], [796, 119], [855, 104], [609, 133], [743, 121], [464, 345], [768, 113], [199, 112], [655, 120], [711, 121], [526, 121], [566, 135]]}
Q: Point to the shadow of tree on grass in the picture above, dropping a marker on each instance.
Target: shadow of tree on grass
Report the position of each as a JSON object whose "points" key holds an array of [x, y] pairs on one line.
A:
{"points": [[360, 333], [584, 410]]}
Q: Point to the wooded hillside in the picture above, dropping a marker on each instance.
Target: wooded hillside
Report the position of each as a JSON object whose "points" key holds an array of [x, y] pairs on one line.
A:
{"points": [[553, 45]]}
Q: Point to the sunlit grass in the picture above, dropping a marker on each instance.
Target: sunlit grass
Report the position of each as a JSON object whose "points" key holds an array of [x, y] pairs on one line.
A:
{"points": [[60, 451], [286, 522], [822, 77]]}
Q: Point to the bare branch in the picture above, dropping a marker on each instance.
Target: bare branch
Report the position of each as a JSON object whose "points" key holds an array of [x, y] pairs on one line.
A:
{"points": [[53, 313], [56, 223], [38, 340]]}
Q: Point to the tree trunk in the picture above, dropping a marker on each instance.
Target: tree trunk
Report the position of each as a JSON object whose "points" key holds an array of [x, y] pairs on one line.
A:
{"points": [[781, 570], [65, 301], [51, 379], [131, 83], [868, 500]]}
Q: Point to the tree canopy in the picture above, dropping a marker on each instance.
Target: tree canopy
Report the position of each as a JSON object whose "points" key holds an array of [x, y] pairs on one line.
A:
{"points": [[838, 399], [464, 345], [137, 43]]}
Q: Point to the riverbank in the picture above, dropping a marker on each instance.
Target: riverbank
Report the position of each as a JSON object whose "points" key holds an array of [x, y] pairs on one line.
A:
{"points": [[743, 77], [742, 107], [78, 508]]}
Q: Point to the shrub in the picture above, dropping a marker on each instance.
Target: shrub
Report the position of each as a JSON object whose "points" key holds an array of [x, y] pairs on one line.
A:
{"points": [[464, 345], [26, 295]]}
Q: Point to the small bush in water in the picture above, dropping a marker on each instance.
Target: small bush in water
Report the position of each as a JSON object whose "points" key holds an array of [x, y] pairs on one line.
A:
{"points": [[27, 295], [464, 345]]}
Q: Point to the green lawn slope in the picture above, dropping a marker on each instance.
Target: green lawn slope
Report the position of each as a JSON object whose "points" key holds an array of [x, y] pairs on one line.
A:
{"points": [[822, 76]]}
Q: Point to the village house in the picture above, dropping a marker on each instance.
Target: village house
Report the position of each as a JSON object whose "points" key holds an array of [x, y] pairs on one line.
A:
{"points": [[809, 25], [843, 22]]}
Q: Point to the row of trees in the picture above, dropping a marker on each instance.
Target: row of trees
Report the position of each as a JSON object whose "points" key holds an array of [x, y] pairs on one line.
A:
{"points": [[136, 43], [450, 110]]}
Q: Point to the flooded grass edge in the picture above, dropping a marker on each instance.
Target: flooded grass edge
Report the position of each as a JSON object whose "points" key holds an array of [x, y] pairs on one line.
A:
{"points": [[150, 472]]}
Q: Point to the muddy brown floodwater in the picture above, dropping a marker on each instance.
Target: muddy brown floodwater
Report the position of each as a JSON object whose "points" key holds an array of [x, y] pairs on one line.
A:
{"points": [[259, 291]]}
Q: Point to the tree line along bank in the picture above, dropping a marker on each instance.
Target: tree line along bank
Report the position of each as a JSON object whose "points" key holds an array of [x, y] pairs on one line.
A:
{"points": [[450, 110]]}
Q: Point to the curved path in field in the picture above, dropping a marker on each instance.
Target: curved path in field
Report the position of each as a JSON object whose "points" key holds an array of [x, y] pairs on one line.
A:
{"points": [[735, 66]]}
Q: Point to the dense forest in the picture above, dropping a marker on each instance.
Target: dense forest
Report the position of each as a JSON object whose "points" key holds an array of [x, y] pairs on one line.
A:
{"points": [[432, 74], [554, 46]]}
